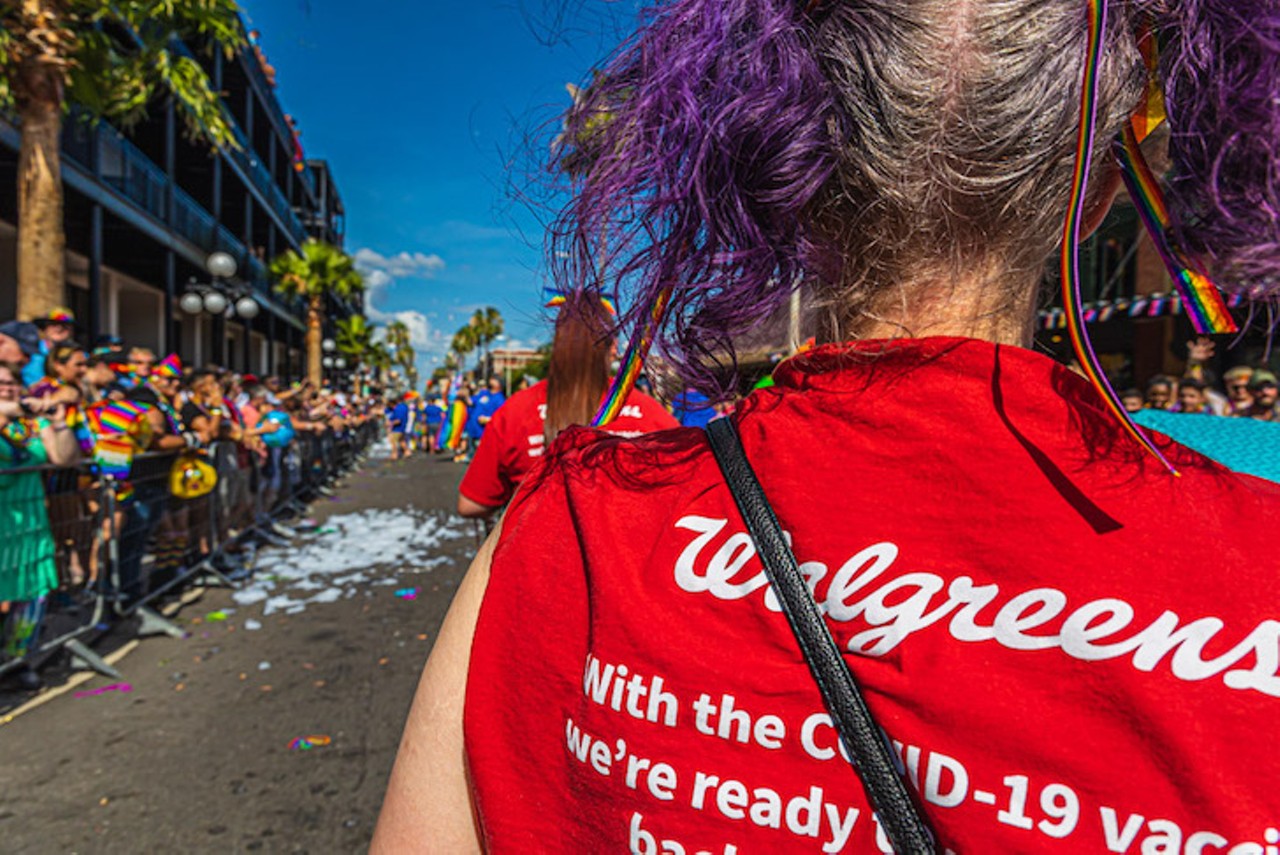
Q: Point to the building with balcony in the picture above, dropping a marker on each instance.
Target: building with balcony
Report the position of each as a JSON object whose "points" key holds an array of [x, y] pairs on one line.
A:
{"points": [[145, 209]]}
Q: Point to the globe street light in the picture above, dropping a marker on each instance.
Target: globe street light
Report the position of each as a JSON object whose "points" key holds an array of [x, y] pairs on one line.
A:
{"points": [[217, 297], [247, 308], [214, 302], [328, 345], [221, 265], [191, 303]]}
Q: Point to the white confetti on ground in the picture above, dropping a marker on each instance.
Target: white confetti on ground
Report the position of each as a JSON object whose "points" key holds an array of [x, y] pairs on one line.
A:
{"points": [[331, 563]]}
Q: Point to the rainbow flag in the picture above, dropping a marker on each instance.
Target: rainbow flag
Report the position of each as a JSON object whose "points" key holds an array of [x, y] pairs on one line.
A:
{"points": [[451, 430], [115, 417], [80, 428], [114, 456], [120, 430]]}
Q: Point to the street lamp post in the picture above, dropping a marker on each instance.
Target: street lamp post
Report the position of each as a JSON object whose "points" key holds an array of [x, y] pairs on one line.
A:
{"points": [[219, 297]]}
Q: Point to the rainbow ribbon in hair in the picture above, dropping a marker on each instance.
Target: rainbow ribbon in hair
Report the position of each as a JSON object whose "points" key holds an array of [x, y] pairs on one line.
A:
{"points": [[1151, 112], [1204, 303], [1070, 261], [633, 361], [1201, 297], [557, 298]]}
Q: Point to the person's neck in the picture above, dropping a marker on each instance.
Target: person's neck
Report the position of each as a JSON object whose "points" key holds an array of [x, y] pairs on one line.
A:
{"points": [[987, 307]]}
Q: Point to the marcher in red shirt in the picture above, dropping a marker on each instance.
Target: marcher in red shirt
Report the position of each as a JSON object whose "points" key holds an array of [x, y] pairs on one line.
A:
{"points": [[520, 430], [1068, 648]]}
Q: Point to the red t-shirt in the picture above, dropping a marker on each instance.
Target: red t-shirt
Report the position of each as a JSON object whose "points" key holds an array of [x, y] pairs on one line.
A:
{"points": [[513, 441], [1072, 650]]}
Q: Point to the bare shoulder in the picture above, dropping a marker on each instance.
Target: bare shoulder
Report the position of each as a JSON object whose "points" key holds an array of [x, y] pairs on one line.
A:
{"points": [[428, 801]]}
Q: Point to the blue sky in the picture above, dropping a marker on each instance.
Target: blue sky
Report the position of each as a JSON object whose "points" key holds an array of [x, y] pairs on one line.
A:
{"points": [[422, 108]]}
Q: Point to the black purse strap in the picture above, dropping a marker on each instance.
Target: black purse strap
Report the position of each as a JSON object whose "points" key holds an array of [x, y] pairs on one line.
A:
{"points": [[858, 731]]}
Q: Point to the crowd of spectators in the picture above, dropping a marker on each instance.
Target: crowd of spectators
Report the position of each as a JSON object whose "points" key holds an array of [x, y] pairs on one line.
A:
{"points": [[95, 413], [1245, 391], [415, 422]]}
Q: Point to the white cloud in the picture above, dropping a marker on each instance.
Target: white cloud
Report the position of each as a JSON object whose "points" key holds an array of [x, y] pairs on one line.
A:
{"points": [[376, 280], [381, 273], [422, 335], [509, 343], [404, 265]]}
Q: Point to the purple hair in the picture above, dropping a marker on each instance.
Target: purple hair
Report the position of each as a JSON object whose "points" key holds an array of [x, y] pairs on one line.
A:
{"points": [[707, 148], [1221, 72], [697, 151]]}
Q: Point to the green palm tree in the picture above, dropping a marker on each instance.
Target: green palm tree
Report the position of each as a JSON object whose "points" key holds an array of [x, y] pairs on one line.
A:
{"points": [[355, 334], [379, 359], [109, 59], [464, 341], [577, 146], [311, 275], [354, 337], [487, 325], [402, 352], [397, 336]]}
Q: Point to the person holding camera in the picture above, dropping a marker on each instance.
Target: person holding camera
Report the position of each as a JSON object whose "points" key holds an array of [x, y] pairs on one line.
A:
{"points": [[33, 433]]}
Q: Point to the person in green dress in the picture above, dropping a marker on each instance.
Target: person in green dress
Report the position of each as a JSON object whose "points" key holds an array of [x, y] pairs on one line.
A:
{"points": [[32, 433]]}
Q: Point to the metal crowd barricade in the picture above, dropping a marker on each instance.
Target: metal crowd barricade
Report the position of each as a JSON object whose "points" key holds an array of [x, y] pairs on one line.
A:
{"points": [[311, 463], [119, 547], [53, 548], [164, 542]]}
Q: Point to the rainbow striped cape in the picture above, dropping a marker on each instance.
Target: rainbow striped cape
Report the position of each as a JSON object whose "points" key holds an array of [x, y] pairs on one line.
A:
{"points": [[451, 430]]}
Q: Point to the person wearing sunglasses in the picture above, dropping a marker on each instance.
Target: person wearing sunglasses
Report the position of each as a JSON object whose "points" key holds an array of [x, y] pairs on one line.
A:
{"points": [[1265, 392], [1239, 395]]}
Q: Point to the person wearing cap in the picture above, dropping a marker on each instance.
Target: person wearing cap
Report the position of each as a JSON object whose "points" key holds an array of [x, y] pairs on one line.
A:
{"points": [[19, 342], [56, 328], [100, 379], [109, 345], [1265, 392], [160, 393], [1239, 398]]}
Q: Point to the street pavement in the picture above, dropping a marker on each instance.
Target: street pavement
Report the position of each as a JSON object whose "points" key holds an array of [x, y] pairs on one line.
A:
{"points": [[201, 754]]}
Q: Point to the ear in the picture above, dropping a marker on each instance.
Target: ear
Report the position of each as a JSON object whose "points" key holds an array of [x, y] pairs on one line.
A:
{"points": [[1102, 195]]}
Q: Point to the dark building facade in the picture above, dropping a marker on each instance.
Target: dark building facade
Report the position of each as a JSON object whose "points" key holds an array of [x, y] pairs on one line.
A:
{"points": [[1135, 319], [145, 209]]}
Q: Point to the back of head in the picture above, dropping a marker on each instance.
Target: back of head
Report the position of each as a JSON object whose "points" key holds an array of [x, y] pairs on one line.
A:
{"points": [[578, 371], [879, 151]]}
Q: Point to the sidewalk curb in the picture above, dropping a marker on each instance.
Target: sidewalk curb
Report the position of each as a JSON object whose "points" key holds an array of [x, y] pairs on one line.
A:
{"points": [[190, 596]]}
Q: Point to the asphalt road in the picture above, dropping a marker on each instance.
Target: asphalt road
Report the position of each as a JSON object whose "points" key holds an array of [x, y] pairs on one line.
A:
{"points": [[199, 756]]}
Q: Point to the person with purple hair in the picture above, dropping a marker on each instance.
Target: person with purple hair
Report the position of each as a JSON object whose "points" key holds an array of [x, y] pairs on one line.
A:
{"points": [[1068, 647]]}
